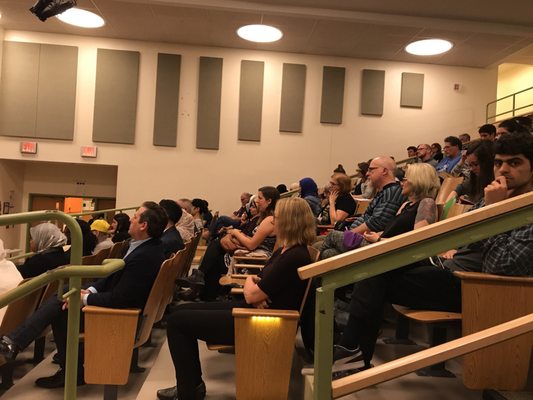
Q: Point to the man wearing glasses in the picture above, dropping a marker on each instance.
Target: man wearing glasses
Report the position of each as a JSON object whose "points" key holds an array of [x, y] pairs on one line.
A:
{"points": [[423, 152]]}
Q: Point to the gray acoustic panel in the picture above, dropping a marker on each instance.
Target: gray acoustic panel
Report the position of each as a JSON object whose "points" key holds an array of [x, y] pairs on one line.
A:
{"points": [[18, 91], [292, 97], [372, 92], [209, 100], [332, 95], [56, 92], [115, 102], [412, 90], [167, 99], [251, 100]]}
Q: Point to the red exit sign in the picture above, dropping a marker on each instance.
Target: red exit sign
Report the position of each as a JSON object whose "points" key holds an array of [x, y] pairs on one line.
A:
{"points": [[28, 147], [89, 151]]}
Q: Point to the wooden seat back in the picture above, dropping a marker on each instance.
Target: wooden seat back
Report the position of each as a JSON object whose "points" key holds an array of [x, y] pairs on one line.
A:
{"points": [[176, 266], [117, 251], [489, 300], [19, 310], [448, 185]]}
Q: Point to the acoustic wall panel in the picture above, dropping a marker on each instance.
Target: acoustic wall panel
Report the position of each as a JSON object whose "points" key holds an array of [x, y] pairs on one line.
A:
{"points": [[18, 94], [412, 90], [167, 99], [115, 102], [332, 95], [56, 92], [372, 92], [251, 100], [292, 97], [209, 100]]}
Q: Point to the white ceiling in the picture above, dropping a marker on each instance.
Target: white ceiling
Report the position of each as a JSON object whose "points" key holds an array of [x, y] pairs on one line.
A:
{"points": [[485, 32]]}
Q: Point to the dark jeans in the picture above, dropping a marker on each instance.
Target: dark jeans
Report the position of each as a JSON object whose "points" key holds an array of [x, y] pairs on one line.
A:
{"points": [[210, 322], [213, 267], [419, 287], [49, 313]]}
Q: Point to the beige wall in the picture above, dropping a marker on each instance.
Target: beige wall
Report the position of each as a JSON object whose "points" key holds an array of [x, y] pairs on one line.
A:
{"points": [[11, 190], [148, 172], [514, 78]]}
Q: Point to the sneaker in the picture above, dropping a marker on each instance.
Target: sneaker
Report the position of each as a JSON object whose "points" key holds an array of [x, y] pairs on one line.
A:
{"points": [[343, 354], [8, 348], [56, 381], [171, 393], [195, 279]]}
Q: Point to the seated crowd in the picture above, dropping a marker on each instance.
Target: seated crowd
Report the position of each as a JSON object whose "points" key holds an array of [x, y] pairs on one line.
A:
{"points": [[497, 166]]}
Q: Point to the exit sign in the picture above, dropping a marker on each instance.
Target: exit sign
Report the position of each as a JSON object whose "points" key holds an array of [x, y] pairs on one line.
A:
{"points": [[88, 151], [28, 147]]}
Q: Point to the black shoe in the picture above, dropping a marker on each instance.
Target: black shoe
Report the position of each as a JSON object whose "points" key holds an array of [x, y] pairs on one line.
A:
{"points": [[8, 348], [56, 381], [171, 393], [194, 280], [341, 374], [344, 354]]}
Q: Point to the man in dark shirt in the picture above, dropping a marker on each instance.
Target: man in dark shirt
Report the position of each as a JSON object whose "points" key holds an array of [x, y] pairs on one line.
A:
{"points": [[430, 287], [126, 288], [171, 238]]}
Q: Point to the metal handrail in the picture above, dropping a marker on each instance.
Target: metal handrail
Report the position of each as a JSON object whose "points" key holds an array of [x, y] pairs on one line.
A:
{"points": [[74, 272], [513, 109], [394, 253], [119, 209]]}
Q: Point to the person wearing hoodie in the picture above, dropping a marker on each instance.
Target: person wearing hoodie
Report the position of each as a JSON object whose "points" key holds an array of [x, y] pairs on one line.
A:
{"points": [[309, 192]]}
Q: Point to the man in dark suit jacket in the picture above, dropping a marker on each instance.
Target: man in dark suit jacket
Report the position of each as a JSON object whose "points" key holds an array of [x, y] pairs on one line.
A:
{"points": [[126, 288], [171, 238]]}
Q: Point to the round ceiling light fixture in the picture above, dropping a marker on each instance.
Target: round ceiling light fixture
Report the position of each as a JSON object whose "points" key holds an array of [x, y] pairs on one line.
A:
{"points": [[260, 33], [428, 47], [81, 18]]}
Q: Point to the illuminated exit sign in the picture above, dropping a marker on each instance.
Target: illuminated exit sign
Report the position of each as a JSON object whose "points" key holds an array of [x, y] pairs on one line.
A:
{"points": [[88, 151], [28, 147]]}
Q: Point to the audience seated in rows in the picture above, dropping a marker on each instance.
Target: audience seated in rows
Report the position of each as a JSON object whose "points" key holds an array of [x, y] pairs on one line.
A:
{"points": [[428, 287], [277, 286], [380, 211], [480, 161], [171, 238], [436, 151], [204, 280], [100, 229], [452, 154], [11, 276], [127, 288], [420, 187], [119, 227], [464, 138], [200, 210], [47, 242], [513, 125]]}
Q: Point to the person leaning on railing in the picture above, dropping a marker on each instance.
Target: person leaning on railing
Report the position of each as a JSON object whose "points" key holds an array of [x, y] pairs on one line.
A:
{"points": [[434, 288]]}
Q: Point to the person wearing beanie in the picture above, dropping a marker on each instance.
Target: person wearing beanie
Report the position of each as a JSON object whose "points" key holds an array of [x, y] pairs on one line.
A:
{"points": [[100, 229]]}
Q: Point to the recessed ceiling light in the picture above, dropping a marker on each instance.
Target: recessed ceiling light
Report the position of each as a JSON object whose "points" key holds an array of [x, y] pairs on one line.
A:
{"points": [[81, 18], [259, 33], [428, 47]]}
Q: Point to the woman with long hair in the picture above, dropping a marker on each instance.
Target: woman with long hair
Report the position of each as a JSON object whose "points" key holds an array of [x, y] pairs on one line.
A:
{"points": [[341, 203], [205, 279], [277, 286], [120, 227], [480, 159]]}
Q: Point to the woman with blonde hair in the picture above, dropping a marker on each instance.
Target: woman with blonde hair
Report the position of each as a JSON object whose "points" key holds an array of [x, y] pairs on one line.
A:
{"points": [[420, 185], [277, 286]]}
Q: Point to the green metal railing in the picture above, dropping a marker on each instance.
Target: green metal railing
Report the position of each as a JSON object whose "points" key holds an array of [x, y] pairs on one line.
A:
{"points": [[394, 253], [74, 272], [493, 117], [103, 211]]}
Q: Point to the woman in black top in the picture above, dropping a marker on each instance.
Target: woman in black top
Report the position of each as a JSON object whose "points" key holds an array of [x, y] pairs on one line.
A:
{"points": [[119, 227], [341, 202], [278, 286]]}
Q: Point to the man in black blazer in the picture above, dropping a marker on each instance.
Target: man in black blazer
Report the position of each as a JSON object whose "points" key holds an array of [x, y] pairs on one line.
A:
{"points": [[171, 238], [126, 288]]}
